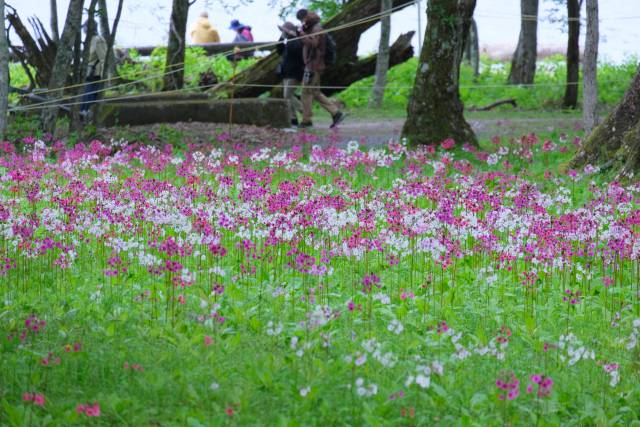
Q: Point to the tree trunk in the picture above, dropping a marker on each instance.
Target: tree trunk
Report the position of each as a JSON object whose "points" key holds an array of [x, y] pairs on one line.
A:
{"points": [[55, 32], [382, 63], [573, 55], [604, 143], [262, 77], [174, 64], [590, 91], [523, 64], [4, 74], [472, 50], [435, 110], [109, 36], [63, 61]]}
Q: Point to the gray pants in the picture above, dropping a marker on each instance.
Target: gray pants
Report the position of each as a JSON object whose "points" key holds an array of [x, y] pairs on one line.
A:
{"points": [[290, 88]]}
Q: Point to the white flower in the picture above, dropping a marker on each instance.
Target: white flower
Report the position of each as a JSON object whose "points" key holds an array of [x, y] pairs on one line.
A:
{"points": [[395, 326], [214, 386], [305, 391], [423, 380], [371, 390], [437, 367], [273, 331], [410, 380], [361, 360]]}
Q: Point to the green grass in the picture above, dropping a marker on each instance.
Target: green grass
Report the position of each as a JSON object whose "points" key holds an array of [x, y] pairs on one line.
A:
{"points": [[491, 86]]}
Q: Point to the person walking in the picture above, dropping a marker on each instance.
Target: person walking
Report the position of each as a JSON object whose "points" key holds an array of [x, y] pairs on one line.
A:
{"points": [[97, 56], [203, 32], [313, 53], [243, 35], [291, 69]]}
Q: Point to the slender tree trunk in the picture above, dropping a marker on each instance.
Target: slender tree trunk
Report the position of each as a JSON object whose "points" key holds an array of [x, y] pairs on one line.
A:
{"points": [[435, 110], [523, 65], [382, 64], [472, 51], [573, 55], [604, 144], [55, 31], [590, 92], [63, 61], [174, 64], [82, 61], [109, 36], [4, 74]]}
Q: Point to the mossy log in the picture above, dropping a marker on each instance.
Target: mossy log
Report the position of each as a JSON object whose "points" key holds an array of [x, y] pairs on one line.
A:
{"points": [[257, 112]]}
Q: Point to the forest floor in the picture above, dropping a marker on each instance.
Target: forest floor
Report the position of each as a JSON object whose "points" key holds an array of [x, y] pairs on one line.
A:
{"points": [[370, 129]]}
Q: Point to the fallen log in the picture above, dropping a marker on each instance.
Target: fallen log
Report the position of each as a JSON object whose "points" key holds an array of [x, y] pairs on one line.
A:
{"points": [[256, 112], [263, 73], [496, 104]]}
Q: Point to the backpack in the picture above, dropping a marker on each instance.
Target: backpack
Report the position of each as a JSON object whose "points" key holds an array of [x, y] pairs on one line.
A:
{"points": [[330, 50]]}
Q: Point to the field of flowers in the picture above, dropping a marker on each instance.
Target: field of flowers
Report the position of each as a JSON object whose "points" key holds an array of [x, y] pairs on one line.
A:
{"points": [[229, 284]]}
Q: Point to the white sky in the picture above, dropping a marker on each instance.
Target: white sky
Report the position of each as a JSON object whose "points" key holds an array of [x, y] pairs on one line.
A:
{"points": [[145, 22]]}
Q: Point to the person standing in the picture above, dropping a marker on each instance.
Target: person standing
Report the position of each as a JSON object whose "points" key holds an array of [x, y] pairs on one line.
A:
{"points": [[243, 35], [314, 49], [203, 32], [97, 56], [291, 69]]}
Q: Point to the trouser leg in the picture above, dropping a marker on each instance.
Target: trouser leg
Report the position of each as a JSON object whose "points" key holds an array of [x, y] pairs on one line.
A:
{"points": [[90, 95], [312, 91], [307, 102], [290, 97]]}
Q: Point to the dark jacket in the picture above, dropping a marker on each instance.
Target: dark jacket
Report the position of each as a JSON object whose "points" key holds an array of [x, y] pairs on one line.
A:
{"points": [[292, 65], [314, 45]]}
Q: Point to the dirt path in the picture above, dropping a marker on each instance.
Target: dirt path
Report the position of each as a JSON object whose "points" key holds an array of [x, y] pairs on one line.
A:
{"points": [[379, 132], [370, 132]]}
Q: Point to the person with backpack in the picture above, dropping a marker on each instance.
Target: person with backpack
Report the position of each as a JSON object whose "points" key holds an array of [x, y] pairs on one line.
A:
{"points": [[243, 35], [317, 48], [203, 32], [97, 57], [291, 68]]}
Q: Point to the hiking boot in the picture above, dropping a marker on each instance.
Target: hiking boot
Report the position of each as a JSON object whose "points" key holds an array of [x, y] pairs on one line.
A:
{"points": [[305, 125], [294, 123], [337, 119]]}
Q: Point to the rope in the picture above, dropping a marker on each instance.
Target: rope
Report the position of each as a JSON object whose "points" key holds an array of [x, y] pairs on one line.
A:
{"points": [[350, 24], [367, 87], [536, 18]]}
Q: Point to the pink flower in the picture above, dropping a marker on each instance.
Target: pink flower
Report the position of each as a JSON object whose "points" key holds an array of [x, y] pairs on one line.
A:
{"points": [[27, 397], [38, 399], [93, 411], [448, 144], [80, 408], [208, 340]]}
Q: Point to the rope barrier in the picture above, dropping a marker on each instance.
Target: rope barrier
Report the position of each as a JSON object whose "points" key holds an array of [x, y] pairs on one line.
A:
{"points": [[351, 24], [367, 88], [536, 18]]}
